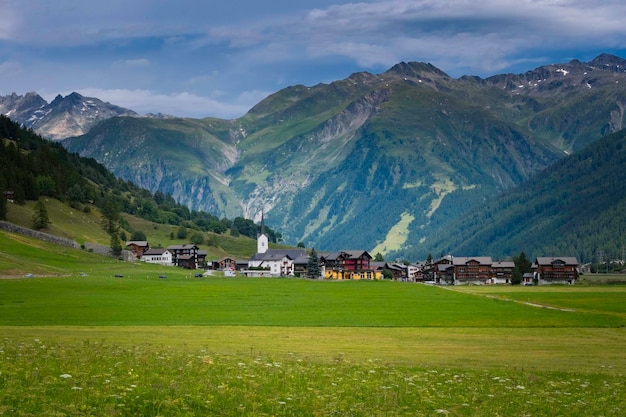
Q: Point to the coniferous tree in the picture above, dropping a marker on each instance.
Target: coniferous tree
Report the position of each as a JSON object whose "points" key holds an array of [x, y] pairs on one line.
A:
{"points": [[110, 223], [313, 266], [116, 245], [40, 216], [522, 266]]}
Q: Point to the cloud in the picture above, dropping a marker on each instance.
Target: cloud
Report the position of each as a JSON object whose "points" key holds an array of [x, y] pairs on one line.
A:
{"points": [[200, 59], [485, 36]]}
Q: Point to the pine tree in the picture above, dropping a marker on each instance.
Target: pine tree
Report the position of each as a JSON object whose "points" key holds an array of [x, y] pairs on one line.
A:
{"points": [[110, 223], [313, 265], [40, 216], [522, 266], [116, 245]]}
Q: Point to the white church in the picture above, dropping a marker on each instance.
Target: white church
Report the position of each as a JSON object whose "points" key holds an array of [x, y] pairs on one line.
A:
{"points": [[273, 262]]}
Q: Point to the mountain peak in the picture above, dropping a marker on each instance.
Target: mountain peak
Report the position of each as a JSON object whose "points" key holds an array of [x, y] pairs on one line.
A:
{"points": [[610, 62], [415, 70], [67, 116]]}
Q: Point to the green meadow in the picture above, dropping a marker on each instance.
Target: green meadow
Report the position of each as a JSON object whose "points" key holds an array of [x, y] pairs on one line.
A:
{"points": [[77, 341]]}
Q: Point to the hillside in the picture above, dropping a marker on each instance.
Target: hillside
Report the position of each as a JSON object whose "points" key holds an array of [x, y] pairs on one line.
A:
{"points": [[375, 161], [78, 193], [575, 207]]}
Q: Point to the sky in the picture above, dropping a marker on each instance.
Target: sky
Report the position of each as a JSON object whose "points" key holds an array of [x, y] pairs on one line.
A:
{"points": [[210, 58]]}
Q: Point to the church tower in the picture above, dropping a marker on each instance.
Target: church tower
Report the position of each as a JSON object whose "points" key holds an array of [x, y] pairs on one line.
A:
{"points": [[261, 239]]}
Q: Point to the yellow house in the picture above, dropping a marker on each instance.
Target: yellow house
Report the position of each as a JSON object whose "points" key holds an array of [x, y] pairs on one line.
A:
{"points": [[353, 265]]}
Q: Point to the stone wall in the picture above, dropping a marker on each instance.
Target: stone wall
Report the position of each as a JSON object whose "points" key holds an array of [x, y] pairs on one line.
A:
{"points": [[10, 227], [92, 247]]}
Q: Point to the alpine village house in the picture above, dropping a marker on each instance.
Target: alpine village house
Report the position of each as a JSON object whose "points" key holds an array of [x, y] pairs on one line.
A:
{"points": [[358, 264]]}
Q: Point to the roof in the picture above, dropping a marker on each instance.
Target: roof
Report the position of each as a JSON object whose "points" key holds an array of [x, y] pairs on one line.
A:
{"points": [[549, 260], [346, 254], [395, 267], [301, 260], [377, 265], [273, 254], [464, 260], [181, 247], [137, 243], [504, 264], [185, 257], [155, 251]]}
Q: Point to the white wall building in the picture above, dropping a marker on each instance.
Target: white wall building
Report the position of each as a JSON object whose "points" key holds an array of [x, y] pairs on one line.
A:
{"points": [[157, 256]]}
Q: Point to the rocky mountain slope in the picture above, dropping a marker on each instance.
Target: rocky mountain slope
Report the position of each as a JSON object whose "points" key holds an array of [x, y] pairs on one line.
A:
{"points": [[72, 115], [383, 162]]}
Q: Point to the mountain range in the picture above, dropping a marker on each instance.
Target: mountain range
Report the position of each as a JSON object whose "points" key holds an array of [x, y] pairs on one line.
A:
{"points": [[67, 116], [386, 162]]}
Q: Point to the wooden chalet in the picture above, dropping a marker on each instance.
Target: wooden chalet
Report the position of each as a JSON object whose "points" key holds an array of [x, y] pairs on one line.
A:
{"points": [[399, 271], [137, 247], [224, 264], [502, 272], [349, 265], [184, 256], [472, 270], [553, 270]]}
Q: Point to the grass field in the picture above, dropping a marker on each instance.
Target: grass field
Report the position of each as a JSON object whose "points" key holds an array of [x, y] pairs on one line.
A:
{"points": [[76, 341]]}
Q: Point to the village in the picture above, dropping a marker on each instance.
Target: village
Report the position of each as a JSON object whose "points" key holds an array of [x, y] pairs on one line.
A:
{"points": [[359, 265]]}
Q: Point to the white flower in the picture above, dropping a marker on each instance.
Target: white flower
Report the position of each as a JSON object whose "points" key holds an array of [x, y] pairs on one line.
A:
{"points": [[65, 376]]}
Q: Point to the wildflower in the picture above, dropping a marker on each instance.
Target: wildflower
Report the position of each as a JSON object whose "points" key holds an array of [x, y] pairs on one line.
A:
{"points": [[65, 376]]}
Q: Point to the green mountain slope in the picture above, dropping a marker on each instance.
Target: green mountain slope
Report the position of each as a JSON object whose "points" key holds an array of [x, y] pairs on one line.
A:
{"points": [[183, 157], [76, 191], [375, 161], [575, 207]]}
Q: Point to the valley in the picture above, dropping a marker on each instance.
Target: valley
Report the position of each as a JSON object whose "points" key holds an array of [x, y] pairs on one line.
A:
{"points": [[345, 164]]}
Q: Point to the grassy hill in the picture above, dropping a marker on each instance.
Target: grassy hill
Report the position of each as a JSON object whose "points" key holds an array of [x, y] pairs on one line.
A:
{"points": [[85, 227]]}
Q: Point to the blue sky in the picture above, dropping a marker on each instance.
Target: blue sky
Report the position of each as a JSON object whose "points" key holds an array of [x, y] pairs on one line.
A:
{"points": [[219, 58]]}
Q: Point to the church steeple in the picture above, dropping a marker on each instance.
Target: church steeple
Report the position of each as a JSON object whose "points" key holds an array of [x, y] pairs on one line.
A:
{"points": [[262, 240], [262, 223]]}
